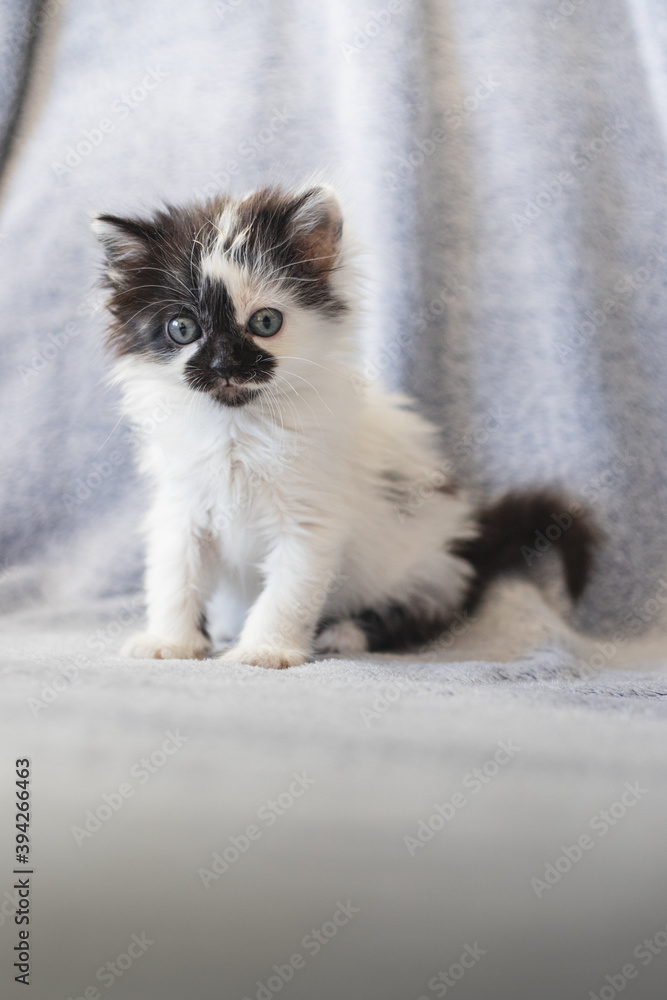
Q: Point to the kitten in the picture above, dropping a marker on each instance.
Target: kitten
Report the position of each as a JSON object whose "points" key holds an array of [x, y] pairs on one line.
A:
{"points": [[277, 471]]}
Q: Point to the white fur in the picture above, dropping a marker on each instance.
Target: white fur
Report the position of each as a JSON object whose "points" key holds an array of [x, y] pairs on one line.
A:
{"points": [[343, 637], [279, 500]]}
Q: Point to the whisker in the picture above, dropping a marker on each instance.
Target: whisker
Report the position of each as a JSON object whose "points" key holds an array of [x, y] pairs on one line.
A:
{"points": [[303, 399], [285, 372], [293, 357]]}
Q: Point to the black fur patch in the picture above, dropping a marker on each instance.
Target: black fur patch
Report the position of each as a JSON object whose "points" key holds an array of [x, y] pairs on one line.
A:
{"points": [[154, 275], [517, 522], [203, 626], [395, 488], [398, 626], [404, 495], [521, 523], [227, 367], [299, 237]]}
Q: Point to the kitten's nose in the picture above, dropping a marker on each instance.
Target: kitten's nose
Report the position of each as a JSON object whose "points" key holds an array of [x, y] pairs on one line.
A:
{"points": [[224, 369]]}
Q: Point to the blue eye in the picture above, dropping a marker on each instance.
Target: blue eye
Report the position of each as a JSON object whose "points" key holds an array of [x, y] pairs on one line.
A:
{"points": [[265, 322], [183, 330]]}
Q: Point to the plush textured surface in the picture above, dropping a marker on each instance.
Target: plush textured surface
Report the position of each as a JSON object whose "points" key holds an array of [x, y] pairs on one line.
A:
{"points": [[385, 742], [505, 167]]}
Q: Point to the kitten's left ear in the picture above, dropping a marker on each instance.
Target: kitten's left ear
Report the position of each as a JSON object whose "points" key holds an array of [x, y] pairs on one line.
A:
{"points": [[317, 222], [124, 240]]}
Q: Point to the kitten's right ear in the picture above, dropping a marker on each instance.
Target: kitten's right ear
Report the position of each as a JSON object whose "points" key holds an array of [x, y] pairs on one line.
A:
{"points": [[124, 240]]}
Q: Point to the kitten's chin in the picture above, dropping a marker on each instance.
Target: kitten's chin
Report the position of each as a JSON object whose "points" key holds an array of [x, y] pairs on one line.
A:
{"points": [[233, 395]]}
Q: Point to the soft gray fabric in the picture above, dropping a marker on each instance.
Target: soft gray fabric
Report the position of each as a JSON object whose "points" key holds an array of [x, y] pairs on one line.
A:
{"points": [[504, 165], [19, 25], [385, 741]]}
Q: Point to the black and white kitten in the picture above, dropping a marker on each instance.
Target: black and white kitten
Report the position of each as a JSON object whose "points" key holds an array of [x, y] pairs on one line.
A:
{"points": [[278, 472]]}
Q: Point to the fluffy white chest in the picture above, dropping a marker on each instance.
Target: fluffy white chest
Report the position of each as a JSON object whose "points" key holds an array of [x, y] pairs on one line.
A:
{"points": [[236, 489]]}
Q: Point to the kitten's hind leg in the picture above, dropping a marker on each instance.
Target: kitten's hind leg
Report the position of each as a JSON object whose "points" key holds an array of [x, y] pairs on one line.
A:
{"points": [[344, 638], [401, 626], [394, 626]]}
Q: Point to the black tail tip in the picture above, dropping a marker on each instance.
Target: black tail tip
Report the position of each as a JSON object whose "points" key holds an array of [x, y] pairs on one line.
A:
{"points": [[515, 531]]}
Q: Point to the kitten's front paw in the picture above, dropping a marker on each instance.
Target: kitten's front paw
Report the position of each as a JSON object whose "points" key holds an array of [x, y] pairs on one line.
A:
{"points": [[265, 656], [145, 646]]}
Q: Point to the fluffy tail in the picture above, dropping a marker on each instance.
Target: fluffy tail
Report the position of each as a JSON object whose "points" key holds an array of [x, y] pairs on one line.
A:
{"points": [[516, 530]]}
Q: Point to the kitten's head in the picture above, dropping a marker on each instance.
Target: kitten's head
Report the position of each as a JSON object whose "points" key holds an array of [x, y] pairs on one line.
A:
{"points": [[221, 292]]}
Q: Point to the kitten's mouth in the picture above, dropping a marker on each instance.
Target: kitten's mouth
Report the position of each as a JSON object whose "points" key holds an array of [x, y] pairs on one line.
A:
{"points": [[234, 391], [231, 388]]}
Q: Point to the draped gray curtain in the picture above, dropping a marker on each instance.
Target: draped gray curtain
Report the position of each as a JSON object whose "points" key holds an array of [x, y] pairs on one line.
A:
{"points": [[503, 165]]}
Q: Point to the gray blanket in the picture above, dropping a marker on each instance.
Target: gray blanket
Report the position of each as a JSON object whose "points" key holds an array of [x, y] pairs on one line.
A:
{"points": [[485, 819]]}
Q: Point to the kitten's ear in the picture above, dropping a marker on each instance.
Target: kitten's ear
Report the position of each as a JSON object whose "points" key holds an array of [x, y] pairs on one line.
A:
{"points": [[317, 222], [124, 240]]}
